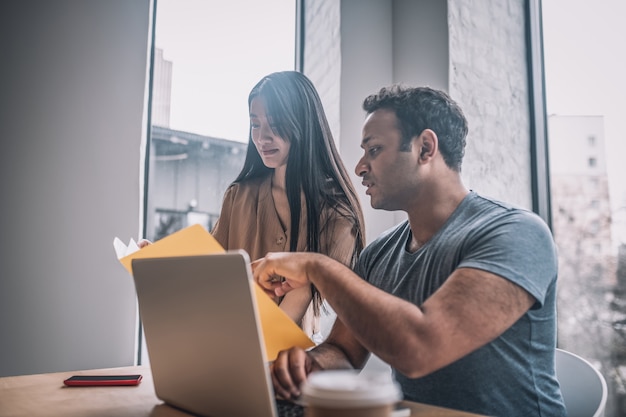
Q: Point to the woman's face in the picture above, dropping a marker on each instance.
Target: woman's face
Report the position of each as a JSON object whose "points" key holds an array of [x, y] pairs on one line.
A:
{"points": [[272, 148]]}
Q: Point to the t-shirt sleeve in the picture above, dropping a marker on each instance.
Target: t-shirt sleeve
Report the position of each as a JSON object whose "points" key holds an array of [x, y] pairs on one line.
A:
{"points": [[518, 247]]}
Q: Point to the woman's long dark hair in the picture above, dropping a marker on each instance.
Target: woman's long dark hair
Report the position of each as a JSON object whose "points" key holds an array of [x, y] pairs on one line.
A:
{"points": [[314, 166]]}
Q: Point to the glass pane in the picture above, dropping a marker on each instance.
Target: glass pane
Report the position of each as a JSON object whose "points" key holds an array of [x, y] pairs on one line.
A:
{"points": [[209, 55], [585, 62]]}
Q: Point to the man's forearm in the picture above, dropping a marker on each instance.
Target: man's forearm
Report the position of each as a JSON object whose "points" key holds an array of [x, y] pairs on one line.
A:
{"points": [[331, 356]]}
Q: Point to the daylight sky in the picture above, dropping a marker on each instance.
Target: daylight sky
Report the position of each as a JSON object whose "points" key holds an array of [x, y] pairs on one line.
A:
{"points": [[585, 64], [246, 40]]}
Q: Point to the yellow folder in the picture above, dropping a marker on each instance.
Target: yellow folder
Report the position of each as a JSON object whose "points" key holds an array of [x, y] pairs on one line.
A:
{"points": [[279, 331]]}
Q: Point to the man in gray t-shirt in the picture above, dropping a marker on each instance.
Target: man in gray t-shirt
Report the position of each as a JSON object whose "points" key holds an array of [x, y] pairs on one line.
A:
{"points": [[459, 299], [497, 379]]}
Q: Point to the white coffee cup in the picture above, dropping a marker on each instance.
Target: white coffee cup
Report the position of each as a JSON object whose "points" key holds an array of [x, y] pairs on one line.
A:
{"points": [[347, 393]]}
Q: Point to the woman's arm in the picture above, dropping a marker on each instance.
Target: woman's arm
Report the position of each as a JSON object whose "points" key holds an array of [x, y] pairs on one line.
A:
{"points": [[296, 302]]}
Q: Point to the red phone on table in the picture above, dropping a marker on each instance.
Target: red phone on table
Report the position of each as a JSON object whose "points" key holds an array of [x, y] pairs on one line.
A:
{"points": [[102, 380]]}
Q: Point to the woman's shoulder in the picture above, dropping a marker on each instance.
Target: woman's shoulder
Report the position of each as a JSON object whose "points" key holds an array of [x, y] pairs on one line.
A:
{"points": [[337, 211], [336, 208], [248, 186]]}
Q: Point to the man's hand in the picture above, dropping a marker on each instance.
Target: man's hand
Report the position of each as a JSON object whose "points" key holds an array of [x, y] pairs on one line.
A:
{"points": [[281, 272], [290, 370]]}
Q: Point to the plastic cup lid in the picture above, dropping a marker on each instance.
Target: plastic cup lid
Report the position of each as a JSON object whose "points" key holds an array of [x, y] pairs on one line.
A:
{"points": [[350, 389]]}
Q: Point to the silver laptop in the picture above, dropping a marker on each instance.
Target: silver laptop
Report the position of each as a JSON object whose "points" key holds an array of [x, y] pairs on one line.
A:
{"points": [[203, 335]]}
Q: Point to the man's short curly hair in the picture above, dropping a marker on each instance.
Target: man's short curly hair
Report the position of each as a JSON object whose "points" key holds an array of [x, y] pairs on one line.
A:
{"points": [[419, 108]]}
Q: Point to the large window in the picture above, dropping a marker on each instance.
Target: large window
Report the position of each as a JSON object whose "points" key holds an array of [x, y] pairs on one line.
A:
{"points": [[208, 56], [585, 63]]}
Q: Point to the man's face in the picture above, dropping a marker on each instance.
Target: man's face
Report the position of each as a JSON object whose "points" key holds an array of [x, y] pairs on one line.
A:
{"points": [[388, 173]]}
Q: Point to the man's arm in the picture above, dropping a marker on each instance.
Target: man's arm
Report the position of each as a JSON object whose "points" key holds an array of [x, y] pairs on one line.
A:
{"points": [[339, 351], [472, 308]]}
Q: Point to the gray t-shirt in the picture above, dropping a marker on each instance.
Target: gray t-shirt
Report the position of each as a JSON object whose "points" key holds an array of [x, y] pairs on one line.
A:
{"points": [[514, 374]]}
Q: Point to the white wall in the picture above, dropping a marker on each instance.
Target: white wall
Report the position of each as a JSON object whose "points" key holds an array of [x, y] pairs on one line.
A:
{"points": [[420, 43], [71, 120], [381, 42], [367, 64], [489, 80]]}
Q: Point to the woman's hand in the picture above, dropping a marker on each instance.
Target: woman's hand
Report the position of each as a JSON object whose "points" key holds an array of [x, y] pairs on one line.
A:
{"points": [[143, 243]]}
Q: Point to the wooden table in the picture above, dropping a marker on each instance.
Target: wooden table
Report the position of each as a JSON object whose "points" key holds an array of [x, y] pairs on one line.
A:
{"points": [[44, 395]]}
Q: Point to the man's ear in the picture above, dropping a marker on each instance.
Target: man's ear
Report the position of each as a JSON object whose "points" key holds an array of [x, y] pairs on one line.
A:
{"points": [[429, 144]]}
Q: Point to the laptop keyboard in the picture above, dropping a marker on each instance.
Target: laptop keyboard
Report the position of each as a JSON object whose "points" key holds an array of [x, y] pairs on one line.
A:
{"points": [[289, 409]]}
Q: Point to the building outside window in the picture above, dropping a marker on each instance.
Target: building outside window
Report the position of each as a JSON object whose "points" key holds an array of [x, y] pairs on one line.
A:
{"points": [[586, 93]]}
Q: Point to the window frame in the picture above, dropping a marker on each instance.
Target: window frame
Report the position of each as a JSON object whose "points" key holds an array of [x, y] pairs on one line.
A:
{"points": [[539, 157]]}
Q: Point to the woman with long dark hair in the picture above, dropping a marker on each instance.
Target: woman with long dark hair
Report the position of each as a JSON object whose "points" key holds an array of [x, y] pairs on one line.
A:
{"points": [[293, 193]]}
